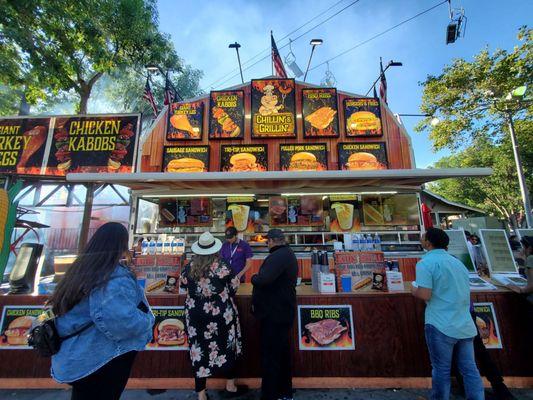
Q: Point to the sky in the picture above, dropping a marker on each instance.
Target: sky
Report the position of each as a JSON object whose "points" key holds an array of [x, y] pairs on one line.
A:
{"points": [[201, 32]]}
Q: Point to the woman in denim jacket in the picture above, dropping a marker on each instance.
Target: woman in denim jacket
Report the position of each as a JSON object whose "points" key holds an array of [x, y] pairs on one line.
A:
{"points": [[101, 295]]}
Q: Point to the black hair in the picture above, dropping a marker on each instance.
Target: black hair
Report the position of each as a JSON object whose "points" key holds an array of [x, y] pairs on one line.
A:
{"points": [[232, 231], [438, 238], [92, 268], [527, 241], [467, 234]]}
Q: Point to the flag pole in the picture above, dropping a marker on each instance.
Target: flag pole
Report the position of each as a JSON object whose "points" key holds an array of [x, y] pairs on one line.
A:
{"points": [[271, 58]]}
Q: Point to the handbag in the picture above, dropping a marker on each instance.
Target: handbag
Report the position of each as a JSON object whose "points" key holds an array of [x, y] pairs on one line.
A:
{"points": [[45, 339]]}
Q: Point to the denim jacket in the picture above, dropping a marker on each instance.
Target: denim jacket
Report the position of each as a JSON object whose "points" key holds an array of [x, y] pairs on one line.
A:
{"points": [[119, 327]]}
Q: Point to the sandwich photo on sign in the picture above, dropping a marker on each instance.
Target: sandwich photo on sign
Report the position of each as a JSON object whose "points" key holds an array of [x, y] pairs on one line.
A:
{"points": [[245, 158], [15, 326], [185, 121], [106, 143], [326, 327], [362, 156], [362, 117], [226, 115], [303, 157], [169, 329], [320, 113], [22, 145], [186, 159], [273, 108]]}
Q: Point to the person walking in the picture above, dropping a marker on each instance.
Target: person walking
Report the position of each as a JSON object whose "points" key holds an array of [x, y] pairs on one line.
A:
{"points": [[442, 281], [100, 300], [212, 319], [274, 304], [527, 248], [236, 252]]}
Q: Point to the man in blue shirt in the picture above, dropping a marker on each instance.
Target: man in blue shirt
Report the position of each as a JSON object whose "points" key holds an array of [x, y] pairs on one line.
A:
{"points": [[236, 252], [442, 281]]}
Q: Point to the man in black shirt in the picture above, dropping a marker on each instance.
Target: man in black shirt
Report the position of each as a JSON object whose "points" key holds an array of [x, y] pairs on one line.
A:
{"points": [[274, 304]]}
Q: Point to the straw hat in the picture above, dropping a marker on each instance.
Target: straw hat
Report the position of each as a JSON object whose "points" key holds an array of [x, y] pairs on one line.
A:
{"points": [[206, 244]]}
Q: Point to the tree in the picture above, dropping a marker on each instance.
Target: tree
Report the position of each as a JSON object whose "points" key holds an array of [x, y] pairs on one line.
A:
{"points": [[469, 100], [49, 47]]}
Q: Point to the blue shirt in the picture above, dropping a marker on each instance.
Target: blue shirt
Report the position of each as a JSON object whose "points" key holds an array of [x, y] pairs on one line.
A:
{"points": [[449, 305], [236, 254], [119, 326]]}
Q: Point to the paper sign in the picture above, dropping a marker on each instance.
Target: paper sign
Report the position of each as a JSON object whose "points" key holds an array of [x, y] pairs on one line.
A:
{"points": [[487, 325], [15, 325], [169, 329], [326, 327]]}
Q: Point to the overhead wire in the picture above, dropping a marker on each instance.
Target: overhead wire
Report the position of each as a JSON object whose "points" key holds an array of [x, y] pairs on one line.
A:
{"points": [[268, 49], [293, 40], [380, 34]]}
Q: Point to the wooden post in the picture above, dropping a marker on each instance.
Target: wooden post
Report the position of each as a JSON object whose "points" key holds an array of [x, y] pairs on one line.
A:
{"points": [[86, 221]]}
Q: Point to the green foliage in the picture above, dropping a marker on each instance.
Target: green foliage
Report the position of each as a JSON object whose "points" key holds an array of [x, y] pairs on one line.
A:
{"points": [[67, 46]]}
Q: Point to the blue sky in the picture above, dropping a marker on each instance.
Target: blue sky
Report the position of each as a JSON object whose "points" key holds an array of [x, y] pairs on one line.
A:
{"points": [[201, 32]]}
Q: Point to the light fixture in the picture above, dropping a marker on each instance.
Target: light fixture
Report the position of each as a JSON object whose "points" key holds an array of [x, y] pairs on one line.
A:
{"points": [[153, 68], [197, 195], [434, 121], [313, 43], [316, 42], [395, 64], [237, 46]]}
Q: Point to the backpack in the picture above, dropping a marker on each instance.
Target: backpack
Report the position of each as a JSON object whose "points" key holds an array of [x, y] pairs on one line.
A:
{"points": [[45, 339]]}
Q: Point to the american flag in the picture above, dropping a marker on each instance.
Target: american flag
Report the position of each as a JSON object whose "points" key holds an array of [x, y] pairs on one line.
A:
{"points": [[276, 60], [382, 84], [170, 95], [147, 94]]}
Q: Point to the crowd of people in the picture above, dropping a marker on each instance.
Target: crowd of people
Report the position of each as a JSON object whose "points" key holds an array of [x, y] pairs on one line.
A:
{"points": [[100, 305]]}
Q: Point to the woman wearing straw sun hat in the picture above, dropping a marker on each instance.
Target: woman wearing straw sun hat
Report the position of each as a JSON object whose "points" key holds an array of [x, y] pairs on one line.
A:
{"points": [[212, 319]]}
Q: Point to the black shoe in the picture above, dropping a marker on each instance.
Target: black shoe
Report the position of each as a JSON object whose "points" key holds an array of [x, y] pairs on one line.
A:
{"points": [[501, 392], [241, 389]]}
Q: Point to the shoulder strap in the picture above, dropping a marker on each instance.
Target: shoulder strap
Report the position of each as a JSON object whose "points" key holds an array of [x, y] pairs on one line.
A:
{"points": [[78, 332]]}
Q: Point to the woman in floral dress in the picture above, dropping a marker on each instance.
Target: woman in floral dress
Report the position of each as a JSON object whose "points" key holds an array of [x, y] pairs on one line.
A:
{"points": [[213, 325]]}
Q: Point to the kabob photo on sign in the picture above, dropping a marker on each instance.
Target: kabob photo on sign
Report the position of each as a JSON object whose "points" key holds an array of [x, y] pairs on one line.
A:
{"points": [[319, 108], [226, 115]]}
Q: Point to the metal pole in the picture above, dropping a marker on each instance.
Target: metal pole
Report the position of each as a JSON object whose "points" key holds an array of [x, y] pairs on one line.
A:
{"points": [[519, 170], [309, 62], [86, 221], [240, 67]]}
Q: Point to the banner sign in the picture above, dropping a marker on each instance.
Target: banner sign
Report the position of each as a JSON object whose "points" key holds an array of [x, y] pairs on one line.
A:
{"points": [[226, 115], [497, 251], [361, 266], [326, 327], [344, 215], [273, 108], [393, 210], [362, 156], [185, 121], [303, 157], [320, 115], [158, 273], [60, 145], [305, 211], [186, 159], [22, 145], [243, 158], [15, 325], [277, 210], [169, 329], [362, 116], [194, 212], [487, 325], [459, 249]]}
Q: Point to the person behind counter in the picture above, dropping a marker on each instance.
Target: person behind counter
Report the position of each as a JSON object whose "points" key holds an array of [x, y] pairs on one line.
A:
{"points": [[274, 304], [527, 245], [212, 318], [99, 298], [442, 281], [236, 252]]}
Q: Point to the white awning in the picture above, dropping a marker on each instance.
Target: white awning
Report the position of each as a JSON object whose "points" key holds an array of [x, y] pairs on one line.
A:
{"points": [[278, 181]]}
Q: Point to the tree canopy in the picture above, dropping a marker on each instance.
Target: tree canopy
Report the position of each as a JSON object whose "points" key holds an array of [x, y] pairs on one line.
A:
{"points": [[469, 98], [63, 46]]}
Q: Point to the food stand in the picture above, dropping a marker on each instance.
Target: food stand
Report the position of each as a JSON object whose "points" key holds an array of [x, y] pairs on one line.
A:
{"points": [[325, 166]]}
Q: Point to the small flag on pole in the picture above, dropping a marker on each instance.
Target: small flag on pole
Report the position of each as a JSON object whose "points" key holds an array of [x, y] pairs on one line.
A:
{"points": [[170, 95], [375, 94], [382, 84], [276, 60], [147, 94]]}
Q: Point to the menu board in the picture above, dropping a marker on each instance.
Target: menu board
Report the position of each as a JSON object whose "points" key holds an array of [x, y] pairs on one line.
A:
{"points": [[393, 210], [344, 215], [497, 251], [328, 327], [226, 115], [194, 212], [244, 158], [459, 249], [22, 145], [169, 329], [185, 121], [15, 325], [305, 211], [186, 158], [273, 108], [303, 157], [277, 210], [320, 112], [487, 325], [93, 144], [362, 116], [246, 215], [158, 273], [361, 266], [362, 156]]}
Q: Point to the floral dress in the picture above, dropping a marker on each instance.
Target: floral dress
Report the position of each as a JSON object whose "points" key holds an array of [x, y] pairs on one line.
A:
{"points": [[213, 327]]}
